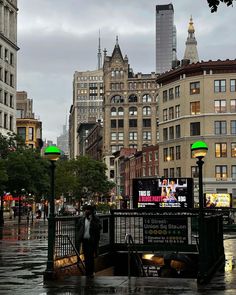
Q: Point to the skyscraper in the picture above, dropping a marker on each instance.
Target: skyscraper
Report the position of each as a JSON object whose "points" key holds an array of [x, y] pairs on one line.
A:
{"points": [[165, 37]]}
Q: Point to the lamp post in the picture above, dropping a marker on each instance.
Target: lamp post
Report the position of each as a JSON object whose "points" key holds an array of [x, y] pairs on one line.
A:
{"points": [[52, 153], [199, 150]]}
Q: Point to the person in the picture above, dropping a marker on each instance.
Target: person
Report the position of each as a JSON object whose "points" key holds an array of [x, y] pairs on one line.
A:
{"points": [[89, 228]]}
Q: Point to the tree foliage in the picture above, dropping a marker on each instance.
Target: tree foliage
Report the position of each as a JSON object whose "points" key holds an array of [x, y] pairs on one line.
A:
{"points": [[82, 177], [22, 167], [213, 4]]}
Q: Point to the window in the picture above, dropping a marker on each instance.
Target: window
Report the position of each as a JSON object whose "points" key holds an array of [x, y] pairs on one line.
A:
{"points": [[171, 113], [172, 172], [165, 154], [232, 85], [5, 121], [146, 135], [194, 128], [172, 154], [177, 131], [146, 122], [147, 98], [233, 172], [220, 127], [146, 111], [220, 106], [165, 134], [220, 150], [156, 156], [233, 105], [171, 132], [31, 133], [233, 127], [178, 152], [165, 115], [150, 156], [177, 91], [195, 88], [120, 123], [133, 111], [133, 98], [165, 173], [133, 136], [11, 123], [233, 149], [11, 80], [11, 58], [195, 108], [11, 101], [178, 172], [132, 122], [113, 148], [221, 172], [177, 111], [133, 146], [21, 131], [113, 111], [194, 171], [120, 111], [165, 96], [171, 93], [113, 123], [113, 136], [117, 99], [219, 86], [120, 136]]}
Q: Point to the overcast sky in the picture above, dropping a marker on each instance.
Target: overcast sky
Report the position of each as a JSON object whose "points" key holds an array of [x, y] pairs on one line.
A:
{"points": [[58, 37]]}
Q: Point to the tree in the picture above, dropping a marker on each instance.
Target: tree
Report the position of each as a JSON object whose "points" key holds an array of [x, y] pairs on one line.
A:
{"points": [[27, 170], [82, 178], [3, 176], [213, 4]]}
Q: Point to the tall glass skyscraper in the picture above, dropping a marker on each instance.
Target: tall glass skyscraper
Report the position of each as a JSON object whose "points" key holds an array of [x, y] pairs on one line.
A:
{"points": [[165, 37]]}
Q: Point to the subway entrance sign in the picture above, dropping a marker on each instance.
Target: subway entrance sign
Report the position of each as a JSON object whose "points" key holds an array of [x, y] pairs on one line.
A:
{"points": [[163, 192]]}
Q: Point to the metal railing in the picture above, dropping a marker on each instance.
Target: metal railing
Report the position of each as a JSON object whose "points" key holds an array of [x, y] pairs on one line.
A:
{"points": [[148, 230]]}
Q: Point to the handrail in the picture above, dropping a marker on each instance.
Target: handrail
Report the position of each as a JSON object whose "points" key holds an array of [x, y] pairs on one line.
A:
{"points": [[129, 241], [82, 269]]}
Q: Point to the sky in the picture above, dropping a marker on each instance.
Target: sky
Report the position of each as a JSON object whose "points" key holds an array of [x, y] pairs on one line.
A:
{"points": [[58, 37]]}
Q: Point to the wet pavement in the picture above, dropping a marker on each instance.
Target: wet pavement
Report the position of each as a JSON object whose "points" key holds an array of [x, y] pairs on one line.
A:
{"points": [[23, 254]]}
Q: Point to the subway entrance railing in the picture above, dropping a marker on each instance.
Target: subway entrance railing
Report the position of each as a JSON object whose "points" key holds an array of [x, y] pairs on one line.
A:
{"points": [[152, 231]]}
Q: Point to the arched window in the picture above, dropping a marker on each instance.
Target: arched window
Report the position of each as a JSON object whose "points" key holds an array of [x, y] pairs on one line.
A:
{"points": [[133, 111], [133, 98], [120, 111], [117, 99], [146, 111], [147, 98], [113, 111]]}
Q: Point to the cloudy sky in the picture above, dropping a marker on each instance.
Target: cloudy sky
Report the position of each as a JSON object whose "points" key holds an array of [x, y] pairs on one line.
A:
{"points": [[58, 37]]}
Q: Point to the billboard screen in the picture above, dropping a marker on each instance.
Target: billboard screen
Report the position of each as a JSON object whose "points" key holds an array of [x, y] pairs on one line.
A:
{"points": [[218, 200], [163, 192]]}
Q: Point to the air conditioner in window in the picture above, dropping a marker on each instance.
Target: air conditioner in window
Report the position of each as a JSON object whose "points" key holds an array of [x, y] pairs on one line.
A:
{"points": [[6, 58]]}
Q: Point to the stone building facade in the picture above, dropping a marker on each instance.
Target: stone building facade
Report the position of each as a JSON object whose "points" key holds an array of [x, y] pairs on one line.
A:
{"points": [[198, 102], [8, 65], [130, 106]]}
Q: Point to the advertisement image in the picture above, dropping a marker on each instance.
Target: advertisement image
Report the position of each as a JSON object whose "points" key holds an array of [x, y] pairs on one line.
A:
{"points": [[163, 192], [218, 200]]}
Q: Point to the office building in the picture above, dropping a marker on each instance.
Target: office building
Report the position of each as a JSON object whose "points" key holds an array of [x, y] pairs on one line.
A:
{"points": [[8, 65], [198, 102], [166, 44]]}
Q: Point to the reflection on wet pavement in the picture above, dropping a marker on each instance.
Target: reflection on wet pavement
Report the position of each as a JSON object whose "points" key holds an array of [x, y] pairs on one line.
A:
{"points": [[23, 255]]}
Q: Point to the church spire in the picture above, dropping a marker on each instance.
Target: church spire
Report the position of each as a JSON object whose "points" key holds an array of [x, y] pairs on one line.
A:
{"points": [[99, 53], [191, 52]]}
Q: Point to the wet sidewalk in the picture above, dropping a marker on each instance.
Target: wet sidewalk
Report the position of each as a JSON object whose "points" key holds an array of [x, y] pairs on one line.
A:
{"points": [[23, 254]]}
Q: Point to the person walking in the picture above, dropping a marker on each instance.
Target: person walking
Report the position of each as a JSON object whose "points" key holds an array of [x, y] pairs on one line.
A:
{"points": [[89, 228]]}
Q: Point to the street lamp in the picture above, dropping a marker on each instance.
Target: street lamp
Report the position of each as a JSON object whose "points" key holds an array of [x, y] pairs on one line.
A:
{"points": [[199, 151], [52, 153]]}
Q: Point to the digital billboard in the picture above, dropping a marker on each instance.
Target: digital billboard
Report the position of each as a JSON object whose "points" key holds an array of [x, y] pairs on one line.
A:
{"points": [[163, 192], [218, 200]]}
